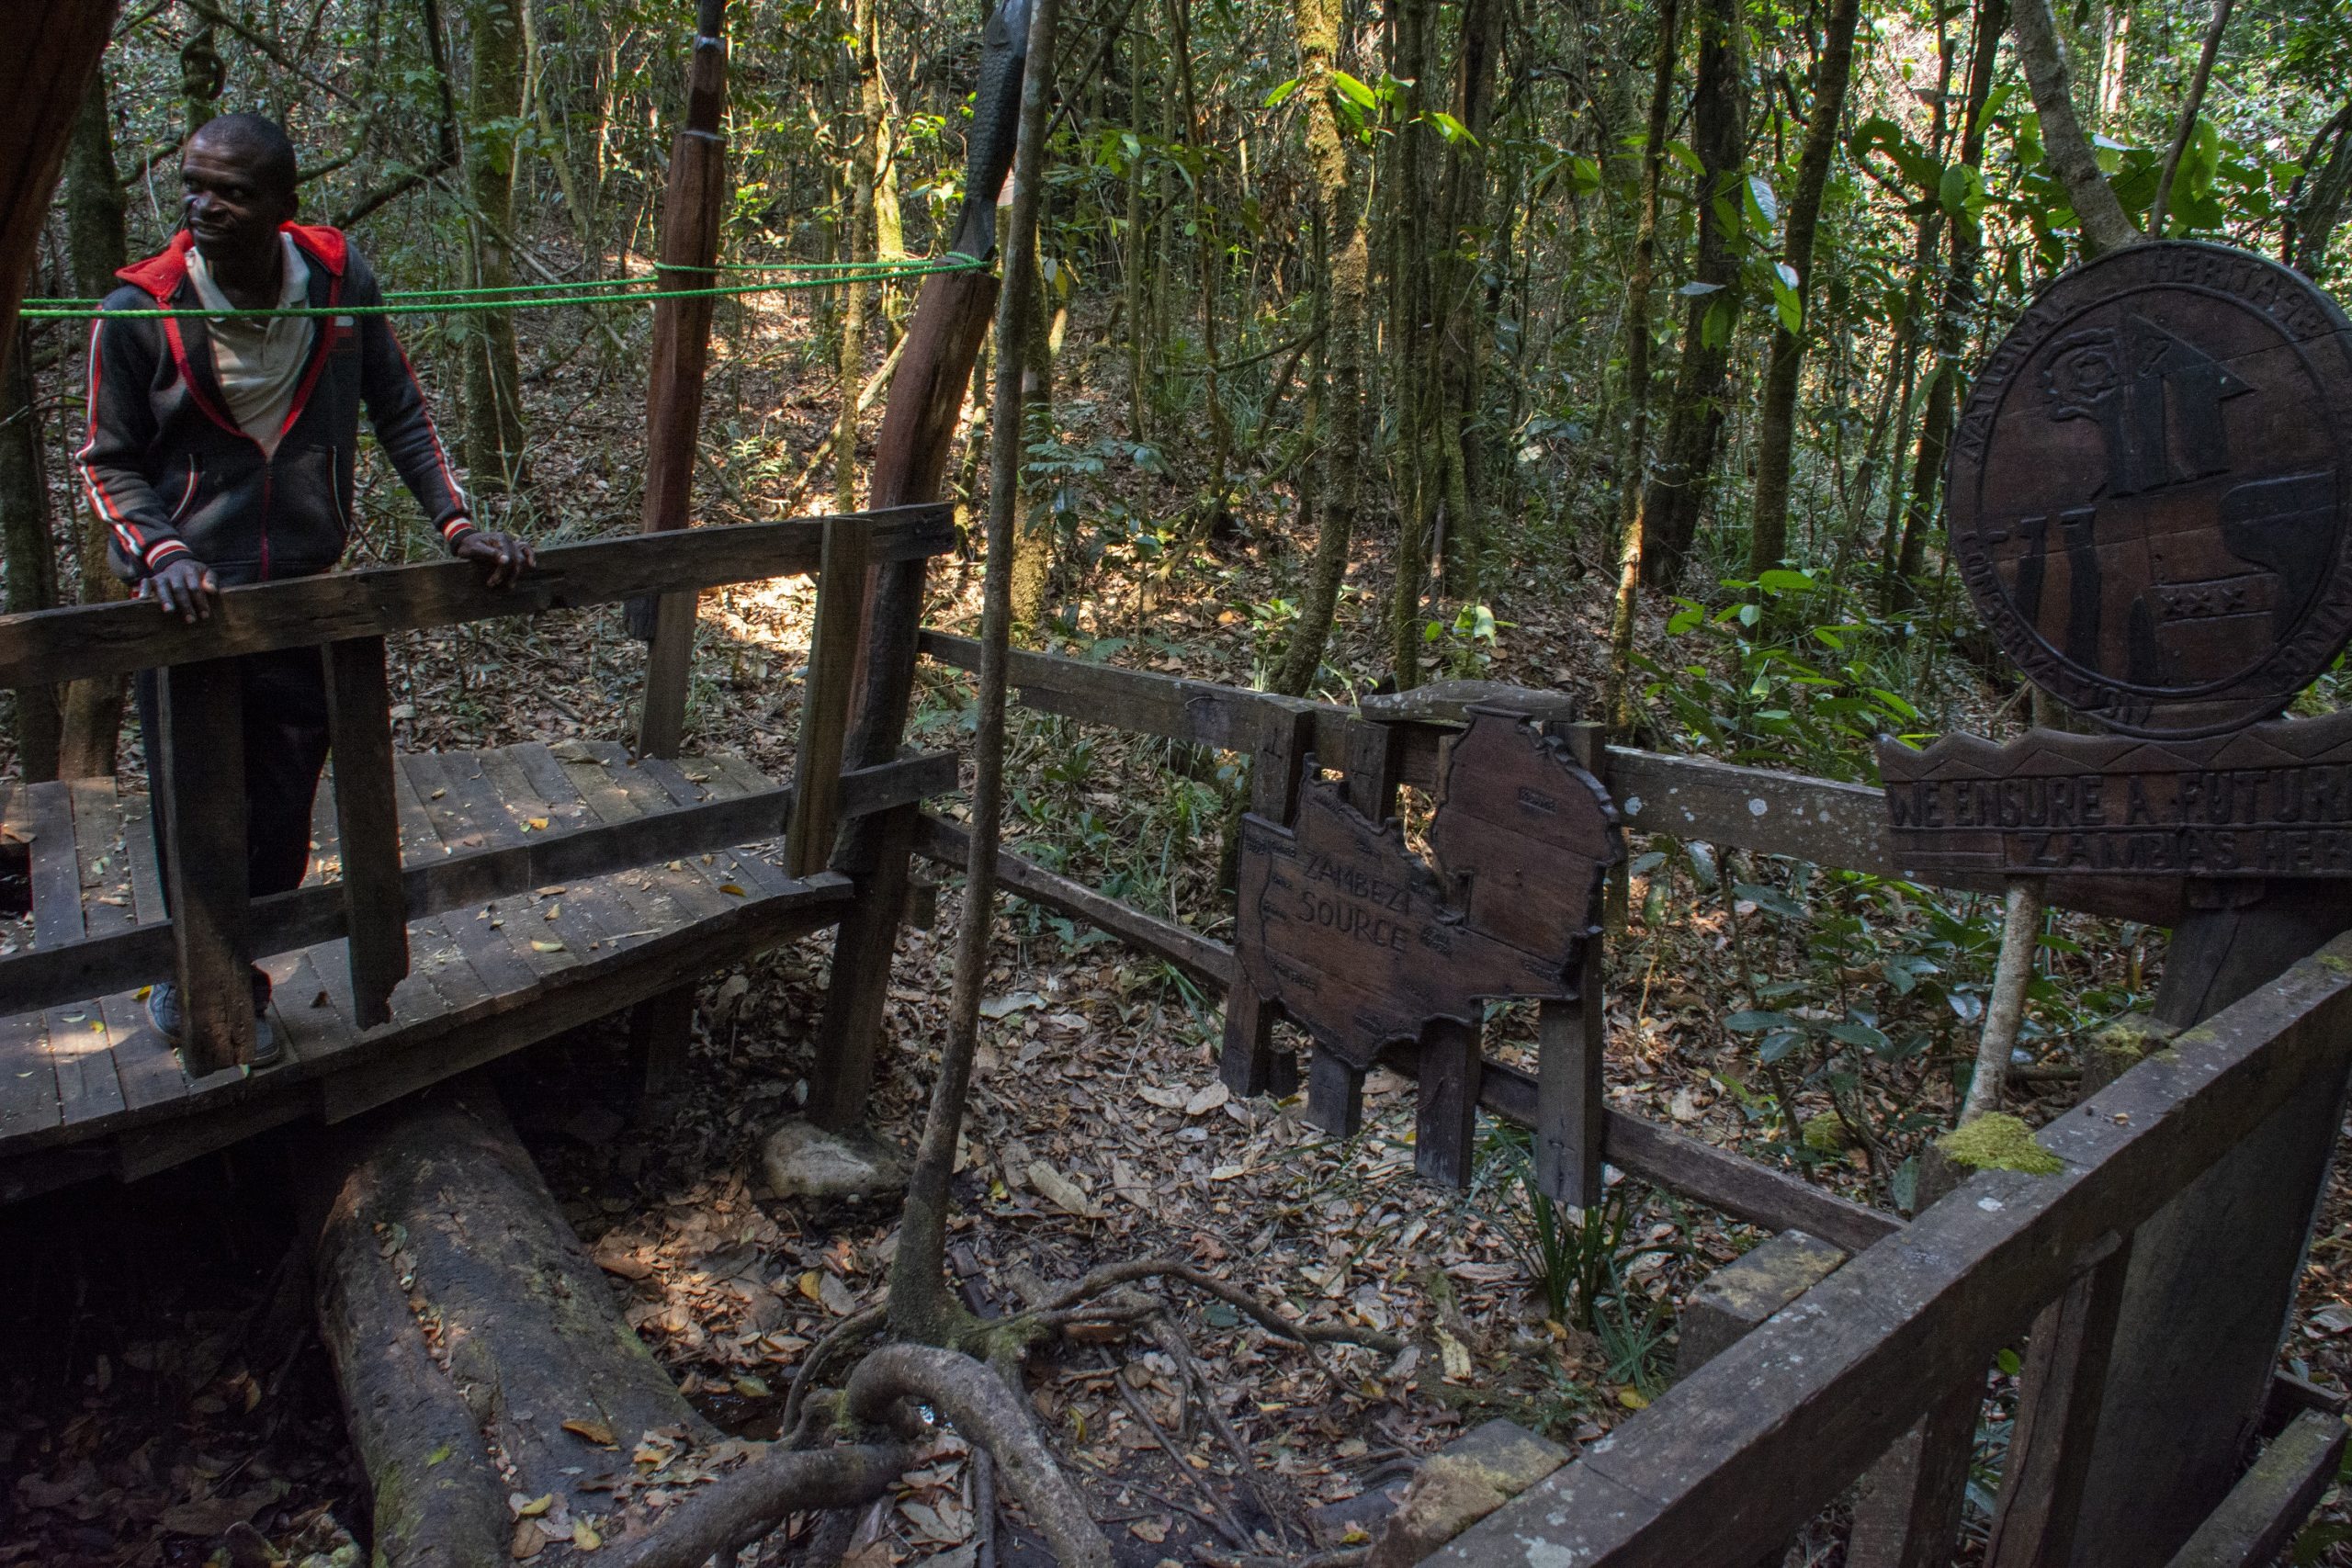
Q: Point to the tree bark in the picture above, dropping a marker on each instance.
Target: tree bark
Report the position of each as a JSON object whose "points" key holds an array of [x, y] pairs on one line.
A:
{"points": [[1616, 700], [96, 243], [857, 246], [27, 553], [494, 432], [1408, 316], [1776, 425], [431, 1211], [2104, 226], [2326, 185], [1340, 299], [1460, 329], [1957, 309], [1677, 491]]}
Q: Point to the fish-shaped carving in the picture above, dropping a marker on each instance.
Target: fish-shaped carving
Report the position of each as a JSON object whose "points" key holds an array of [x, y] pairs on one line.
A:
{"points": [[1363, 943]]}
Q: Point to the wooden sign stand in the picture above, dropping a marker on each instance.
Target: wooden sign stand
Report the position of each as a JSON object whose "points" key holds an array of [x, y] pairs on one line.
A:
{"points": [[1380, 955], [2151, 506]]}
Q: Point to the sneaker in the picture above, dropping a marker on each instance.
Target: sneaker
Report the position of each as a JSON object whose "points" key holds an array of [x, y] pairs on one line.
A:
{"points": [[164, 1010]]}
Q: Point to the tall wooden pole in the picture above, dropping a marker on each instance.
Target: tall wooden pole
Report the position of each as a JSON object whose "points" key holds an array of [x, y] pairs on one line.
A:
{"points": [[690, 217], [57, 48]]}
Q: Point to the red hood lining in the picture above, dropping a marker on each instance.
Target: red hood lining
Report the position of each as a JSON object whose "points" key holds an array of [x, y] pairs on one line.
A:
{"points": [[162, 273]]}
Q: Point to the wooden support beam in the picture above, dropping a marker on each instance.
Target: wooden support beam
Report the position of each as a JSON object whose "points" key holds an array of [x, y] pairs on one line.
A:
{"points": [[2050, 1446], [692, 208], [1246, 1061], [202, 710], [49, 647], [367, 823], [56, 47], [1571, 1111], [98, 965], [824, 708]]}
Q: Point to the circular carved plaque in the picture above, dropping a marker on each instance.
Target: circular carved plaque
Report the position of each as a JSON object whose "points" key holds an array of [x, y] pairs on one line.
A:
{"points": [[2150, 490]]}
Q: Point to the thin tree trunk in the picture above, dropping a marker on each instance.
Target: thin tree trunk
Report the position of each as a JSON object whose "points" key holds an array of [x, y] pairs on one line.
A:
{"points": [[493, 377], [1340, 299], [2191, 107], [920, 1306], [2044, 57], [1776, 426], [1409, 314], [95, 243], [1958, 306], [1616, 702], [26, 554], [2324, 189], [1457, 302], [863, 155], [1677, 492]]}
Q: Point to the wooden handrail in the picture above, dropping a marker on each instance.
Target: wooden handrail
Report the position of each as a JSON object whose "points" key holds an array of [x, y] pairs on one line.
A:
{"points": [[1822, 820], [1733, 1460], [47, 646], [75, 971]]}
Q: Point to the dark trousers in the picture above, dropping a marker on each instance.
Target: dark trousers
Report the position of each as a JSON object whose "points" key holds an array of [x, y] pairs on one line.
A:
{"points": [[285, 747]]}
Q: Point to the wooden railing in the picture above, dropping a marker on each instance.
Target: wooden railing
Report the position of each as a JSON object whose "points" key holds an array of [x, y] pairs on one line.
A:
{"points": [[197, 767], [1879, 1370]]}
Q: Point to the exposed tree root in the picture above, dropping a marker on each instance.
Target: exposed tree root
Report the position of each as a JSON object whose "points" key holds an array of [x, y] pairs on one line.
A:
{"points": [[988, 1414], [745, 1504], [1112, 1275]]}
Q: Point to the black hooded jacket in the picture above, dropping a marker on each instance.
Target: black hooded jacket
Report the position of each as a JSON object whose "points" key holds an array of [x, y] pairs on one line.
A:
{"points": [[170, 471]]}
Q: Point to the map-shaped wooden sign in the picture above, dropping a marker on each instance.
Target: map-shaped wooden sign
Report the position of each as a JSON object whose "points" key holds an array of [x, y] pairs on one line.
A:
{"points": [[1364, 943], [2150, 488]]}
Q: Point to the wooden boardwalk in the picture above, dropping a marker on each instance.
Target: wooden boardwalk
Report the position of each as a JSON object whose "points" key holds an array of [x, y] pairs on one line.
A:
{"points": [[91, 1089]]}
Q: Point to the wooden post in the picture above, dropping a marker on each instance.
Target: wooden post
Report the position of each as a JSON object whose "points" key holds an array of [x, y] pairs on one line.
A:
{"points": [[691, 210], [1445, 1103], [1908, 1513], [368, 822], [824, 709], [910, 458], [1246, 1061], [2190, 1364], [2050, 1446], [203, 803], [1571, 1112]]}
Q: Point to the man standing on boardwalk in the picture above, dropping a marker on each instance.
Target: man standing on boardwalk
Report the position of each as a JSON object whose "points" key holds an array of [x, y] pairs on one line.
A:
{"points": [[220, 452]]}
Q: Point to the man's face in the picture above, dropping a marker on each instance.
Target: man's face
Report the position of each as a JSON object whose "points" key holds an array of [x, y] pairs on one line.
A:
{"points": [[229, 204]]}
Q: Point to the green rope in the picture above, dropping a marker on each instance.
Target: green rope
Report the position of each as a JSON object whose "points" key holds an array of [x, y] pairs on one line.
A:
{"points": [[528, 296]]}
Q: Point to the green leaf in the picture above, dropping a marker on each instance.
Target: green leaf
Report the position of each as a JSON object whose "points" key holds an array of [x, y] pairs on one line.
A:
{"points": [[1282, 91], [1757, 1022], [1861, 1034], [1450, 128], [1763, 205], [1779, 1045], [1771, 900], [1355, 92], [1780, 579], [2007, 1362]]}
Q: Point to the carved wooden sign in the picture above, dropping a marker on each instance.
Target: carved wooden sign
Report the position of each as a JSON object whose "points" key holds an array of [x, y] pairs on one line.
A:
{"points": [[1364, 943], [2150, 492], [2274, 800], [2151, 502]]}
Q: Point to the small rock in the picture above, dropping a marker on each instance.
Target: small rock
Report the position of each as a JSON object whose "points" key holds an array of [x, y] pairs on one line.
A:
{"points": [[805, 1161]]}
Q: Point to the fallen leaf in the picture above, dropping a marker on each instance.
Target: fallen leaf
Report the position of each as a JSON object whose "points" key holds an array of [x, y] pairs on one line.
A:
{"points": [[835, 1296], [1456, 1355], [1152, 1530], [529, 1540], [1208, 1099], [596, 1432], [530, 1507], [443, 1452], [1166, 1099], [1632, 1399], [1006, 1006], [730, 887], [584, 1536], [437, 795], [540, 946], [536, 825], [1060, 1190]]}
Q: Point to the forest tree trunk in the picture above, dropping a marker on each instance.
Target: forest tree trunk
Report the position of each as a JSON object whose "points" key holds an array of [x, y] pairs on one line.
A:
{"points": [[1677, 492], [855, 247], [26, 552], [1616, 703], [1345, 287], [1776, 425], [96, 243], [1409, 314], [493, 376]]}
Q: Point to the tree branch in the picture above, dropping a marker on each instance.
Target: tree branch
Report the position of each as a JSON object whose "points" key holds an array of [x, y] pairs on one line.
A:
{"points": [[2103, 224]]}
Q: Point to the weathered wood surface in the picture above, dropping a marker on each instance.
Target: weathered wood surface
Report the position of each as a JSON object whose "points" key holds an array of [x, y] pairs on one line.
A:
{"points": [[2150, 488], [359, 731], [2273, 800], [1742, 1453], [692, 206], [203, 802], [464, 876], [2265, 1510], [1821, 820], [56, 47], [834, 643], [480, 990], [45, 647]]}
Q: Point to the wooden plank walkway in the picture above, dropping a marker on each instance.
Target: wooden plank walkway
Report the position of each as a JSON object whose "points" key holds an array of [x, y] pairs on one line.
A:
{"points": [[91, 1089]]}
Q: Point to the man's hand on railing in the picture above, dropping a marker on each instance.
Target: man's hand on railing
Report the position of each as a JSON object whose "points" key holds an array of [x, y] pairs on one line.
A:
{"points": [[184, 587], [507, 557]]}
